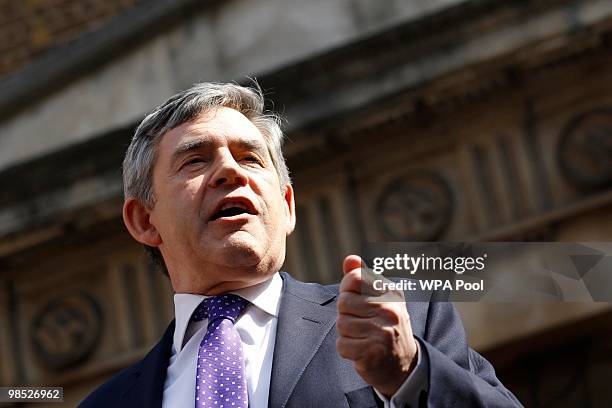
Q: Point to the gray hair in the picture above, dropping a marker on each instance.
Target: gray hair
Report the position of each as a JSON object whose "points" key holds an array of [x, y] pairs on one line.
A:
{"points": [[181, 108]]}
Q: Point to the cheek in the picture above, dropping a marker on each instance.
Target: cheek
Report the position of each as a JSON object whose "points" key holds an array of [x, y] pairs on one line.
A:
{"points": [[179, 206], [160, 218], [279, 215], [189, 186], [186, 195]]}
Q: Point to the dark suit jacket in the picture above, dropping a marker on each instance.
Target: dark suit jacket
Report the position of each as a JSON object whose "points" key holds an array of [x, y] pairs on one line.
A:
{"points": [[308, 372]]}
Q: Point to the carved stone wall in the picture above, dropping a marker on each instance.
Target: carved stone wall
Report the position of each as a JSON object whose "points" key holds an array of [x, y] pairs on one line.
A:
{"points": [[531, 162], [94, 310], [443, 139], [511, 166]]}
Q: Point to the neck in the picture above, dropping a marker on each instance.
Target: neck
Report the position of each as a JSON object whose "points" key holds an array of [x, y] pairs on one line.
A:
{"points": [[203, 285]]}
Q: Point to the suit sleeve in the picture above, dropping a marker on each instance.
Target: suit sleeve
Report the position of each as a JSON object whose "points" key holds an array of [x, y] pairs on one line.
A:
{"points": [[458, 376]]}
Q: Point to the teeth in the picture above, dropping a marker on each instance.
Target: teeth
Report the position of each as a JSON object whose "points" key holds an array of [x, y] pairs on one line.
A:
{"points": [[233, 205]]}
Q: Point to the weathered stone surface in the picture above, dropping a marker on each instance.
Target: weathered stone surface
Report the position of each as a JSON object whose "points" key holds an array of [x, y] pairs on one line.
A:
{"points": [[479, 97], [225, 42]]}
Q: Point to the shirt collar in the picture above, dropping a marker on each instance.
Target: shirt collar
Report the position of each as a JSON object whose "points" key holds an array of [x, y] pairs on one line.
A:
{"points": [[265, 296]]}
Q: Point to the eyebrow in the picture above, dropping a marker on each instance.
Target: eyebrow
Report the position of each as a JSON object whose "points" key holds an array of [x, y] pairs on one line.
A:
{"points": [[191, 145], [251, 145], [206, 144]]}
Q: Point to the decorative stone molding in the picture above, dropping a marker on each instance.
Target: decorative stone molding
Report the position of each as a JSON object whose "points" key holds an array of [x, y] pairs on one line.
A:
{"points": [[415, 207], [66, 329], [584, 151]]}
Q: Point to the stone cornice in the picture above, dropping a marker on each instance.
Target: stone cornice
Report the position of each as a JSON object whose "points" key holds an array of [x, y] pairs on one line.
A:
{"points": [[64, 64], [485, 35]]}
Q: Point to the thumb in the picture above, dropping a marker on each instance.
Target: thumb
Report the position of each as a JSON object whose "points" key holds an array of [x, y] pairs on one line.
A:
{"points": [[352, 262]]}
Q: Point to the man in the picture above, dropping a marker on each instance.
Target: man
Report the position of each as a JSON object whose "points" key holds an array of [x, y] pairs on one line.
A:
{"points": [[208, 193]]}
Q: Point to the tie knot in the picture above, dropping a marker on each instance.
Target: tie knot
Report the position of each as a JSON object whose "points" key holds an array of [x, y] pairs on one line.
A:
{"points": [[220, 307]]}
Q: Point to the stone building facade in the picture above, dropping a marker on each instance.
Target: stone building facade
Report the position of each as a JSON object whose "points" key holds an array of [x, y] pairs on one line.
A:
{"points": [[407, 121]]}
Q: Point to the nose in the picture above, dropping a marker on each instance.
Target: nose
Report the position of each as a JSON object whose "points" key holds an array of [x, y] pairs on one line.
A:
{"points": [[228, 172]]}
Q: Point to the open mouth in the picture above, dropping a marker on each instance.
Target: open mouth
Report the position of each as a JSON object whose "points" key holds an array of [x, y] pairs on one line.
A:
{"points": [[232, 209]]}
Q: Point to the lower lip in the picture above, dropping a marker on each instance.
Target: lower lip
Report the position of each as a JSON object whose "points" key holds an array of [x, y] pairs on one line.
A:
{"points": [[234, 218]]}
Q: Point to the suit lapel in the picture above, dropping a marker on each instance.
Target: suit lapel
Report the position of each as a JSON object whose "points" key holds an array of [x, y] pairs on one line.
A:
{"points": [[303, 323], [147, 388]]}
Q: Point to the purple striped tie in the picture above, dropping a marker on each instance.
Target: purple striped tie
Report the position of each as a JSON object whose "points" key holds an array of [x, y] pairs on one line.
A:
{"points": [[220, 379]]}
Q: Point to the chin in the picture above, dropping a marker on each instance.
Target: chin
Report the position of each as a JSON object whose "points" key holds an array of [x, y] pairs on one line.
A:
{"points": [[244, 250], [242, 253]]}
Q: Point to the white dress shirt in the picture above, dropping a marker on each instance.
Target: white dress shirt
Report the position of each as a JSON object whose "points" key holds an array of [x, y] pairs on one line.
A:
{"points": [[256, 327]]}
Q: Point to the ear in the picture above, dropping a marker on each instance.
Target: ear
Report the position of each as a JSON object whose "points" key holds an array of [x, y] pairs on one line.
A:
{"points": [[290, 208], [137, 220]]}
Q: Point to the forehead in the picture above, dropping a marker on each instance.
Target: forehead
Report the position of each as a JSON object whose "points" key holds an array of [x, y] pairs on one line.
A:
{"points": [[220, 126]]}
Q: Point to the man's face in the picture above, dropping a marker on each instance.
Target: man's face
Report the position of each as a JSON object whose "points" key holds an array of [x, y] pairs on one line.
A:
{"points": [[220, 213]]}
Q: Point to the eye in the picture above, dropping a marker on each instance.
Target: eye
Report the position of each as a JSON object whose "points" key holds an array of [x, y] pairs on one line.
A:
{"points": [[251, 159], [194, 161]]}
